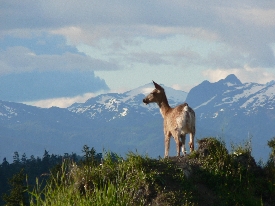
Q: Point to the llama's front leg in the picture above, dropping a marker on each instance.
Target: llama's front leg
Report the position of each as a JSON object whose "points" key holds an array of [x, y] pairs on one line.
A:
{"points": [[167, 145], [191, 143], [178, 145], [182, 137], [176, 136]]}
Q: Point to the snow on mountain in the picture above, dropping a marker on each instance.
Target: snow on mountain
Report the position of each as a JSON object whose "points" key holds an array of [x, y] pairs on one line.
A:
{"points": [[235, 110], [231, 94], [262, 96], [15, 111], [6, 111], [121, 105], [121, 122], [175, 96]]}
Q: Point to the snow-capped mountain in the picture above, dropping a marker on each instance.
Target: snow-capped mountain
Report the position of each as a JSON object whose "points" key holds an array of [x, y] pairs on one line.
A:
{"points": [[236, 111], [111, 121], [228, 109], [231, 94], [111, 106], [30, 129]]}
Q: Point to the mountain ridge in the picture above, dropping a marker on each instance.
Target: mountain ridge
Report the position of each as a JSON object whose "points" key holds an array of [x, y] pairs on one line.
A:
{"points": [[120, 122]]}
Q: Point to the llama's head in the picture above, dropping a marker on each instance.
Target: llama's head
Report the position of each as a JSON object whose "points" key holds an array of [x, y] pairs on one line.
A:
{"points": [[156, 95]]}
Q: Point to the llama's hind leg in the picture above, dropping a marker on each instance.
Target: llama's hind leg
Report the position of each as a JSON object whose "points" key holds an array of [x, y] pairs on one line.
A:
{"points": [[176, 136], [167, 145], [182, 137], [191, 143]]}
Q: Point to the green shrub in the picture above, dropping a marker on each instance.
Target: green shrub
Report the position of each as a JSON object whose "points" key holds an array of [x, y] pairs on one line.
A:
{"points": [[216, 177], [230, 176], [136, 180]]}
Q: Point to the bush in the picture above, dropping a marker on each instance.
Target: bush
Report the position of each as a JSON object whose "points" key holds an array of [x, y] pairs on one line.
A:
{"points": [[215, 177], [231, 176], [137, 180]]}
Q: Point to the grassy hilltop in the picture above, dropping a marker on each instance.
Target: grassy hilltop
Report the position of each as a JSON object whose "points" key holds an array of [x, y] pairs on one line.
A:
{"points": [[209, 176]]}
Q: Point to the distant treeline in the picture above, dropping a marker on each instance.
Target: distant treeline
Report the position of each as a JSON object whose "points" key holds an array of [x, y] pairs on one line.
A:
{"points": [[214, 177], [25, 171]]}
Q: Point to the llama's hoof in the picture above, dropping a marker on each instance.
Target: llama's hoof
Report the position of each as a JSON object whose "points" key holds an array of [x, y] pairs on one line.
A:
{"points": [[191, 146]]}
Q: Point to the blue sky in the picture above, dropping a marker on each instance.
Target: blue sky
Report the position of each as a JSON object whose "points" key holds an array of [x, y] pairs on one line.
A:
{"points": [[55, 53]]}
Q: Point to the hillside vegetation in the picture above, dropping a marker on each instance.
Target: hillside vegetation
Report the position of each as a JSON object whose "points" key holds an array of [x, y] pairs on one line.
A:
{"points": [[209, 176]]}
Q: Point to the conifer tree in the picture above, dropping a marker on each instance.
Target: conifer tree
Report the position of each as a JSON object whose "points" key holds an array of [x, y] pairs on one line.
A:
{"points": [[16, 159], [18, 194], [90, 155], [271, 144]]}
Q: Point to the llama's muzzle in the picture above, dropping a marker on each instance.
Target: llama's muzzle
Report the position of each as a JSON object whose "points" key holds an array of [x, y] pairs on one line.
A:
{"points": [[145, 101]]}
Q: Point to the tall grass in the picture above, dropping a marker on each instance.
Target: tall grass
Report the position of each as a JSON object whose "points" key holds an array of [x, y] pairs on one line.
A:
{"points": [[136, 180], [217, 177], [232, 176]]}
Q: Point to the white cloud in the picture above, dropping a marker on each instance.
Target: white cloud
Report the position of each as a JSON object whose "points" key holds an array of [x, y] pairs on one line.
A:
{"points": [[76, 35], [126, 35], [62, 102], [245, 74], [177, 87], [72, 32], [21, 59], [248, 15], [185, 88], [244, 26]]}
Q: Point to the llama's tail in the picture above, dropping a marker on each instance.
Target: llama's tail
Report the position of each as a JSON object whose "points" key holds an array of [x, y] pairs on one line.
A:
{"points": [[185, 108]]}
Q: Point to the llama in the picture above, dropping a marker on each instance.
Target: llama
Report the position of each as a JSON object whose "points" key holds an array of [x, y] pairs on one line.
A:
{"points": [[178, 121]]}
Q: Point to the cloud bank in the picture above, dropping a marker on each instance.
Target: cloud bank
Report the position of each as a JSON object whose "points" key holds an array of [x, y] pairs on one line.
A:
{"points": [[245, 27], [212, 37], [31, 86], [245, 75]]}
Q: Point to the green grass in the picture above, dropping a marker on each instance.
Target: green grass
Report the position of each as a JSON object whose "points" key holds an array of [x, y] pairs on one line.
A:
{"points": [[217, 178], [234, 177], [137, 180]]}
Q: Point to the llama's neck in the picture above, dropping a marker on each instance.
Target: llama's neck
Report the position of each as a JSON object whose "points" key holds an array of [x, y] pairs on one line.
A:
{"points": [[164, 106]]}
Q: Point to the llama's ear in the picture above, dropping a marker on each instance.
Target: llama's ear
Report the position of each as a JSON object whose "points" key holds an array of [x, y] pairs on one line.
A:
{"points": [[157, 86]]}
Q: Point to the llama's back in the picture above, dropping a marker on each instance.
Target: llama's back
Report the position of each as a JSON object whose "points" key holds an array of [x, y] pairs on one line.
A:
{"points": [[193, 120], [187, 118]]}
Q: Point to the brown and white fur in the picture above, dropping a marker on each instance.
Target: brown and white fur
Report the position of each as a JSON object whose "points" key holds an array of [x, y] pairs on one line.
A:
{"points": [[178, 121]]}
